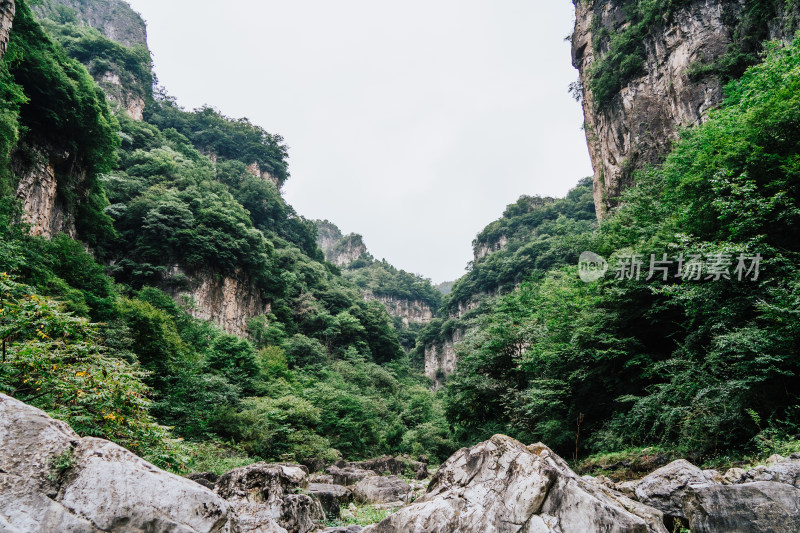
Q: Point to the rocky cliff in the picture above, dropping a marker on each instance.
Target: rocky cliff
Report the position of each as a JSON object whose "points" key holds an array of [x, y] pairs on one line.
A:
{"points": [[113, 18], [410, 311], [6, 17], [123, 72], [441, 359], [228, 301], [43, 204], [644, 76]]}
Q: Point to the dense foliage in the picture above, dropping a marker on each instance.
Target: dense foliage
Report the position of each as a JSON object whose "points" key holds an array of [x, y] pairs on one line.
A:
{"points": [[321, 376], [707, 366]]}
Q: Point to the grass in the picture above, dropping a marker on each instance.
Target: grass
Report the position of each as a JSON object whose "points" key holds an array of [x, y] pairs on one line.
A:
{"points": [[363, 516], [216, 457]]}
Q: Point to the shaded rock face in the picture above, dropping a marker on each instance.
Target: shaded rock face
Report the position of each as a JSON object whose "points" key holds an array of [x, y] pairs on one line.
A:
{"points": [[482, 249], [101, 487], [348, 475], [411, 312], [228, 301], [113, 18], [637, 127], [382, 489], [7, 9], [400, 465], [130, 102], [331, 497], [503, 486], [440, 360], [757, 507], [664, 489], [263, 496], [783, 471], [43, 206]]}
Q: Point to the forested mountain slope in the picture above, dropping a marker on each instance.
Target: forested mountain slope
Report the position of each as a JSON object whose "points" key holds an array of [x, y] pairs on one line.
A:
{"points": [[183, 220]]}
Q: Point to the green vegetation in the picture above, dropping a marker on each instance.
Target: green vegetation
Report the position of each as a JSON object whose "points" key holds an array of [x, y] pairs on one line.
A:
{"points": [[622, 53], [98, 339], [708, 368]]}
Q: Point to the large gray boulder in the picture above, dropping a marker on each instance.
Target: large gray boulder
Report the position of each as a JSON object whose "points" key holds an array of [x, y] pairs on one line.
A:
{"points": [[263, 493], [402, 465], [503, 486], [382, 489], [757, 507], [348, 475], [331, 497], [51, 479], [664, 489]]}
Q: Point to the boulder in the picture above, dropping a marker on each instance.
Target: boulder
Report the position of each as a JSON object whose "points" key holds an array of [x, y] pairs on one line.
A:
{"points": [[732, 476], [331, 497], [382, 489], [262, 493], [402, 465], [664, 488], [783, 471], [348, 475], [348, 529], [51, 479], [757, 507], [321, 478], [503, 486], [713, 476]]}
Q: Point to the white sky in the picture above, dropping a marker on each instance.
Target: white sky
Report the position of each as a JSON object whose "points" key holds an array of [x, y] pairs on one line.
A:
{"points": [[412, 123]]}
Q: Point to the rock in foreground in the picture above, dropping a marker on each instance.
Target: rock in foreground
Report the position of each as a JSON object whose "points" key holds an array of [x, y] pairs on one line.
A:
{"points": [[51, 479], [503, 486]]}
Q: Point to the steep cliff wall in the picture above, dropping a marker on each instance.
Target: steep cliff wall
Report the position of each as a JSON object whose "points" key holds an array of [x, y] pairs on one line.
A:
{"points": [[6, 17], [113, 18], [121, 65], [666, 76], [440, 359], [228, 301], [43, 205], [411, 312]]}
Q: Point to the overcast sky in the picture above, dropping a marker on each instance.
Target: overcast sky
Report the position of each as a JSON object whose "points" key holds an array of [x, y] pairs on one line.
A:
{"points": [[412, 123]]}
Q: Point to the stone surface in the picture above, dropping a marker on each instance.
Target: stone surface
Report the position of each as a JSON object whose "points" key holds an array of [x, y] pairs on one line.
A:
{"points": [[503, 486], [348, 529], [664, 488], [264, 495], [402, 465], [103, 487], [780, 470], [228, 301], [440, 360], [113, 18], [348, 475], [331, 497], [382, 489], [206, 479], [38, 190], [643, 119], [7, 10], [732, 475], [758, 507]]}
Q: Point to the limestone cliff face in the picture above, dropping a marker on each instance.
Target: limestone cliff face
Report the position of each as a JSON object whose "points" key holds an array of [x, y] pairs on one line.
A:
{"points": [[482, 249], [113, 18], [42, 204], [7, 9], [118, 22], [638, 125], [440, 360], [228, 301], [411, 312]]}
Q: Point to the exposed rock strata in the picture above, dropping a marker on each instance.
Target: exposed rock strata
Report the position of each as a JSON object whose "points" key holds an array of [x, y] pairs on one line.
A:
{"points": [[7, 9], [642, 120], [410, 311], [229, 301], [441, 359]]}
